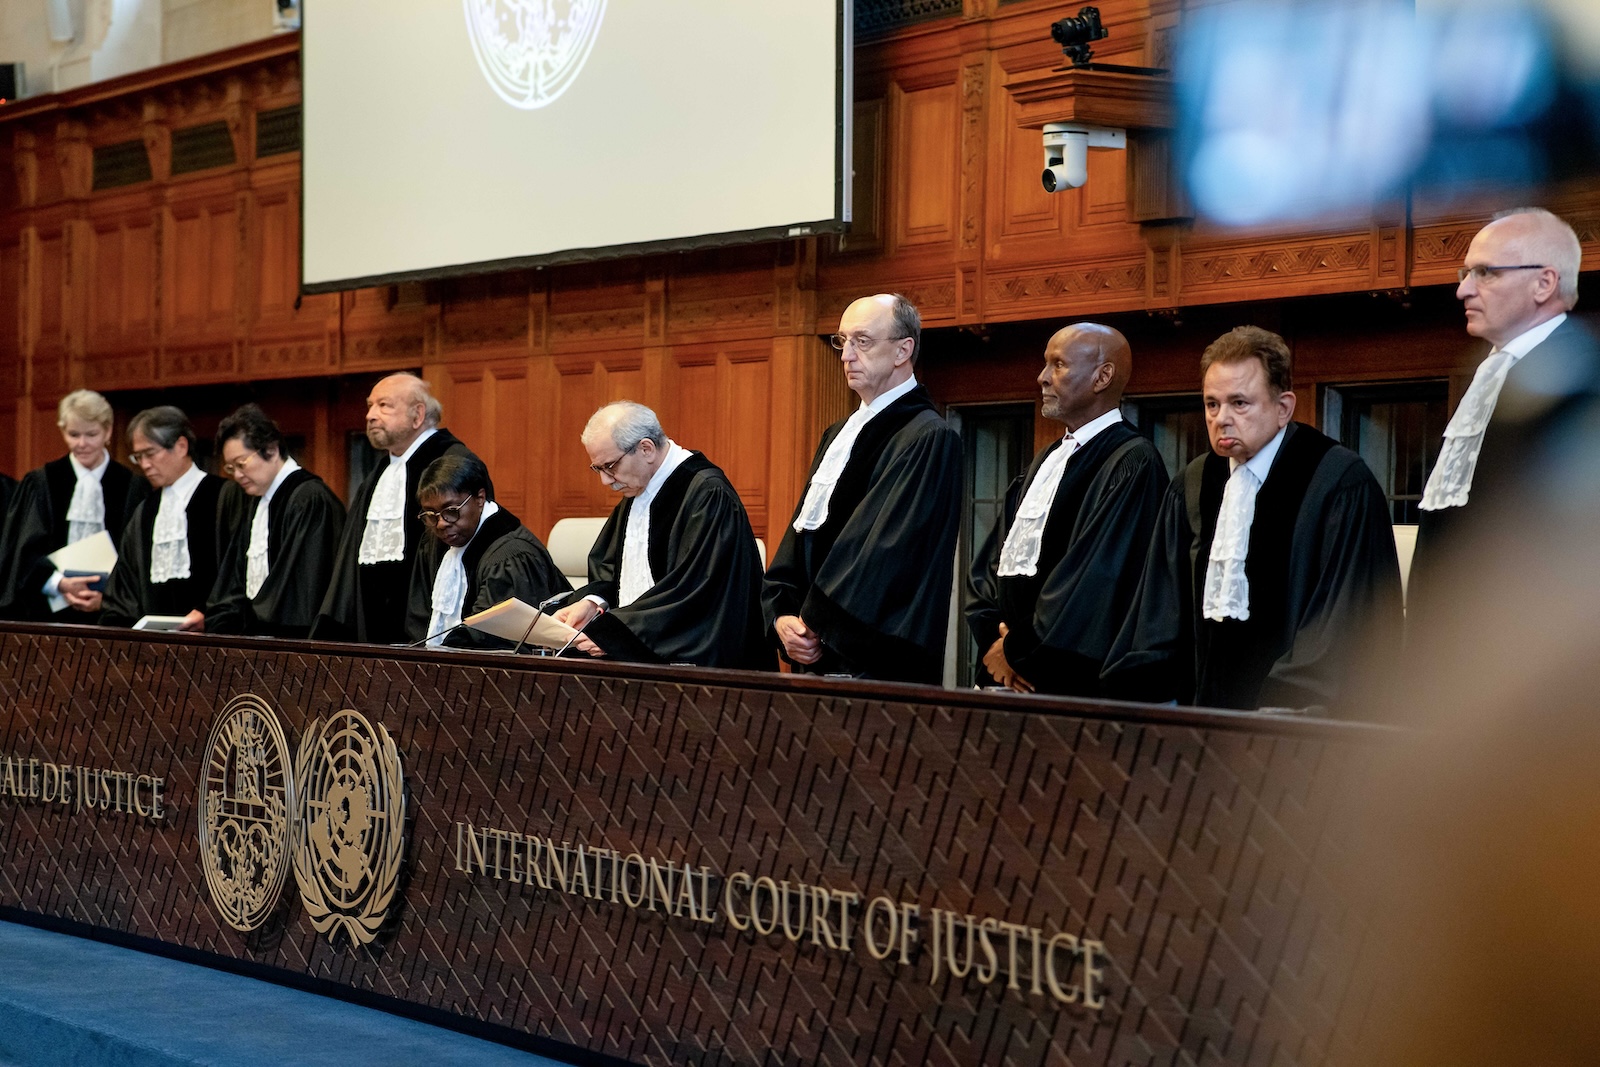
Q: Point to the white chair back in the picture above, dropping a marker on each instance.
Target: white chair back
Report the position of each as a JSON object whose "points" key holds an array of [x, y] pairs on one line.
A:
{"points": [[569, 544]]}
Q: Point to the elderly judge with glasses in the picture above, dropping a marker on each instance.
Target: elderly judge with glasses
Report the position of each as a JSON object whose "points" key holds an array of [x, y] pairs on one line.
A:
{"points": [[674, 576], [861, 582]]}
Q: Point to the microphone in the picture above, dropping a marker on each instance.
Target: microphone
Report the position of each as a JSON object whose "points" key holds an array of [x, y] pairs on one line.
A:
{"points": [[441, 633], [538, 613], [579, 631]]}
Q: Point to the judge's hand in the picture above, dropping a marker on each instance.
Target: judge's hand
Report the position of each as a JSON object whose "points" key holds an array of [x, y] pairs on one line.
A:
{"points": [[583, 644], [78, 594], [577, 616], [194, 622], [994, 661], [799, 642]]}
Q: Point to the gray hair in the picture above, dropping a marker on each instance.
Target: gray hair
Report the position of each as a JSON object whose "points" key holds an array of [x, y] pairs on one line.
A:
{"points": [[422, 393], [1552, 240], [908, 323], [163, 426], [629, 423], [85, 405]]}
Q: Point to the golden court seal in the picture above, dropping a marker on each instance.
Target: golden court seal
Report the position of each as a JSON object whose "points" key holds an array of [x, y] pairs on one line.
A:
{"points": [[246, 796]]}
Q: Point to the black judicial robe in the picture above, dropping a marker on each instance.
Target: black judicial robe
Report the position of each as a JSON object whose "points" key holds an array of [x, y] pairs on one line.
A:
{"points": [[304, 521], [36, 525], [873, 582], [1062, 620], [129, 592], [503, 560], [1322, 570], [705, 605], [368, 603], [8, 489], [1547, 405]]}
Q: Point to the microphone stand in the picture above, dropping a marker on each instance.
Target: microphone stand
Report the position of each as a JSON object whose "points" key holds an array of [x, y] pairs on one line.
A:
{"points": [[538, 613], [579, 631]]}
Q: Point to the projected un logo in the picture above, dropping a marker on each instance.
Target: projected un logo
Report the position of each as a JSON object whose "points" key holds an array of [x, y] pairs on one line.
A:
{"points": [[531, 50]]}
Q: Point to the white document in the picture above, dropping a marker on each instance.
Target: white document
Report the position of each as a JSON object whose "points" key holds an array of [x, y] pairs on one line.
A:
{"points": [[510, 619], [159, 622], [92, 555]]}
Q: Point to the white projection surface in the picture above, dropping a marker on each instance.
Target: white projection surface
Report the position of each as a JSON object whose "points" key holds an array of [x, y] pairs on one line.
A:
{"points": [[441, 134]]}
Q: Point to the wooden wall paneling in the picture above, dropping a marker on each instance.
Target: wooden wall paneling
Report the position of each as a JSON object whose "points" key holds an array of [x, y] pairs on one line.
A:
{"points": [[11, 298], [867, 180], [381, 329], [201, 253], [287, 336], [486, 405], [10, 451], [1217, 269], [927, 167], [586, 383]]}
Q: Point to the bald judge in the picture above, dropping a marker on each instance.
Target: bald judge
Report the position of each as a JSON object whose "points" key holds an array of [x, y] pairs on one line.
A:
{"points": [[861, 581], [1055, 578], [367, 595]]}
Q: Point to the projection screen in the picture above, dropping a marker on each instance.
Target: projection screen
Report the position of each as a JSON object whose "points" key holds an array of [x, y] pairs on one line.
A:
{"points": [[449, 136]]}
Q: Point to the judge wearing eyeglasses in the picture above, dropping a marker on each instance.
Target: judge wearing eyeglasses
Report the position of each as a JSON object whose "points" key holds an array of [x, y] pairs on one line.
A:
{"points": [[1517, 284], [860, 584]]}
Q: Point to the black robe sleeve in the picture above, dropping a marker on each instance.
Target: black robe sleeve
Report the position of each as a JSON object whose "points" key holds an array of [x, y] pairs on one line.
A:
{"points": [[518, 565], [1350, 608], [25, 540], [706, 608], [337, 617], [1086, 596], [605, 557], [303, 540], [122, 603], [983, 585], [1152, 658], [881, 598]]}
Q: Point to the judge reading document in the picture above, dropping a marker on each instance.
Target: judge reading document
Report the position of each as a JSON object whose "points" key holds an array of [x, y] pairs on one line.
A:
{"points": [[479, 555], [60, 504], [1053, 581], [366, 599], [280, 559], [675, 568], [168, 557], [1271, 556], [861, 581]]}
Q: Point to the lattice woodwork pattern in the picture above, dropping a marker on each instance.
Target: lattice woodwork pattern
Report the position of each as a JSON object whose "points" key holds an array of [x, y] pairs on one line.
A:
{"points": [[1198, 850]]}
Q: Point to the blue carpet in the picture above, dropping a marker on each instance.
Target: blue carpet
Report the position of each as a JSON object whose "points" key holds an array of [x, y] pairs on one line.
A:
{"points": [[65, 1000]]}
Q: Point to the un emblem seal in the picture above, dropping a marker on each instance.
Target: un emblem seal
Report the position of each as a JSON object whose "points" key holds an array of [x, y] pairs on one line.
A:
{"points": [[246, 795], [350, 815], [531, 50]]}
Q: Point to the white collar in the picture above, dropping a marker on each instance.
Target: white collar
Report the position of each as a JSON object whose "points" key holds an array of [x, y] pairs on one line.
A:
{"points": [[1261, 463], [289, 467], [1527, 340], [676, 454], [185, 486], [489, 508], [1087, 432], [406, 455], [98, 471], [889, 397]]}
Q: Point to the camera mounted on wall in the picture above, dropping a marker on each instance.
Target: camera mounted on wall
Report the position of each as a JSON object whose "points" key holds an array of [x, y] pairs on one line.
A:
{"points": [[1076, 33]]}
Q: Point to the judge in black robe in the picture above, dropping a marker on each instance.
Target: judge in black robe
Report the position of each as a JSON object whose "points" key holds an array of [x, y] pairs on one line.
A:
{"points": [[163, 440], [697, 597], [1546, 403], [304, 520], [36, 524], [368, 601], [1321, 568], [500, 557], [863, 587], [1050, 631]]}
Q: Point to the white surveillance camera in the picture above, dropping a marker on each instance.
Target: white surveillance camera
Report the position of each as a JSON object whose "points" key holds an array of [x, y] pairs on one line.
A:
{"points": [[1066, 152]]}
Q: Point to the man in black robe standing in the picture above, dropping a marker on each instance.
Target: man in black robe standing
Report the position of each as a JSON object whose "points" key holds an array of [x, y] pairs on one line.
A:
{"points": [[861, 582], [63, 502], [674, 576], [1273, 562], [1533, 393], [171, 548], [367, 594], [280, 558], [1053, 581], [479, 555]]}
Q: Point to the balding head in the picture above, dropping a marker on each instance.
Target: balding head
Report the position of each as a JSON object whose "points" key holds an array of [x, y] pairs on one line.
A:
{"points": [[1528, 260], [399, 408], [1086, 369]]}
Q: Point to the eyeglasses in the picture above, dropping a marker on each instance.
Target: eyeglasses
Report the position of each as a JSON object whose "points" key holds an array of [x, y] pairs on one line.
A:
{"points": [[450, 515], [860, 340], [607, 468], [230, 469], [1483, 274], [143, 454]]}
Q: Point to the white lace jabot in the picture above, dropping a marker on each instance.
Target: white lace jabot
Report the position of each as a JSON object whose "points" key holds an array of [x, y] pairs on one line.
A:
{"points": [[169, 548], [819, 491]]}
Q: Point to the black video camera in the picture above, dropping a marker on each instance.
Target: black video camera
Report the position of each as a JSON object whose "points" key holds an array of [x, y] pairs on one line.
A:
{"points": [[1075, 33]]}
